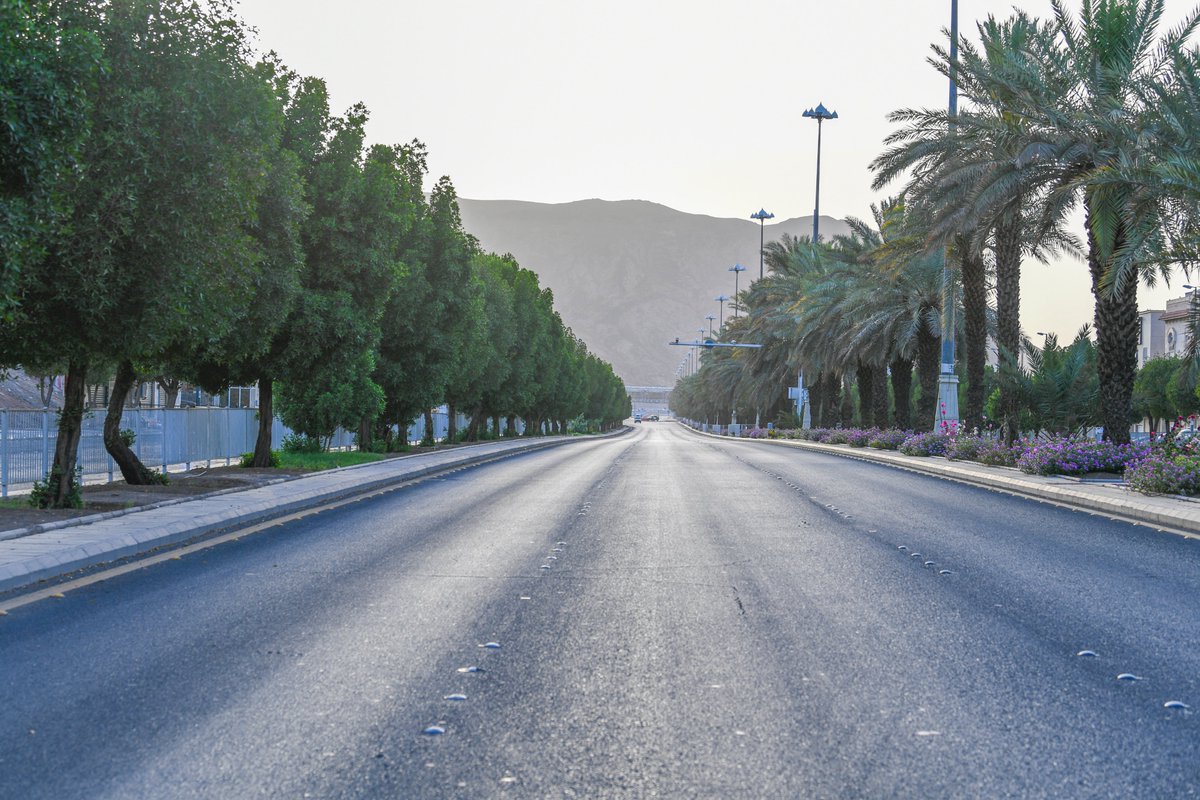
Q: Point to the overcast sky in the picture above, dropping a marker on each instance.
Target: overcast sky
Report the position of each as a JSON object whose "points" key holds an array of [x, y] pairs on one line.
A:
{"points": [[695, 104]]}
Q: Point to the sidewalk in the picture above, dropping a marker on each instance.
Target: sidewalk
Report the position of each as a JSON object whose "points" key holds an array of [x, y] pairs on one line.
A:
{"points": [[1104, 496], [68, 545]]}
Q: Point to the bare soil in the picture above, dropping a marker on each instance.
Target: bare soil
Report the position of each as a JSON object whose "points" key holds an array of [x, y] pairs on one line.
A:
{"points": [[99, 498]]}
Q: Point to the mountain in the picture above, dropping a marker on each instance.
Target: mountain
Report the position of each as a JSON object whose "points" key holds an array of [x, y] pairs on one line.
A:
{"points": [[629, 276]]}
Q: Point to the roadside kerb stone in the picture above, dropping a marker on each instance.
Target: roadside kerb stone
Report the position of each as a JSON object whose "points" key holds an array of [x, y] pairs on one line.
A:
{"points": [[56, 550], [1169, 511]]}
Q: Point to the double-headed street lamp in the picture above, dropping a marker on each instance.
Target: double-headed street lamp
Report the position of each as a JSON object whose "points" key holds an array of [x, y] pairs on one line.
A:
{"points": [[762, 215], [737, 270], [820, 114], [721, 298], [710, 319], [947, 411]]}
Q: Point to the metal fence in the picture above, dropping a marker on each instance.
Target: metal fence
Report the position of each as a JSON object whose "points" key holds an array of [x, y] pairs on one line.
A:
{"points": [[164, 439]]}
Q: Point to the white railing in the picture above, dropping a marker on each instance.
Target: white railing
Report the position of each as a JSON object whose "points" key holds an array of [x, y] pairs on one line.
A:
{"points": [[164, 439]]}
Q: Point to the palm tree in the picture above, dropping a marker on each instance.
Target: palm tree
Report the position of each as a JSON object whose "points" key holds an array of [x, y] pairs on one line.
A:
{"points": [[1077, 144], [966, 171]]}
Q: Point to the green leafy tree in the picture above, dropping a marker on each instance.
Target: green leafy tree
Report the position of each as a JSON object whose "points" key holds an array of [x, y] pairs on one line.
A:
{"points": [[48, 66]]}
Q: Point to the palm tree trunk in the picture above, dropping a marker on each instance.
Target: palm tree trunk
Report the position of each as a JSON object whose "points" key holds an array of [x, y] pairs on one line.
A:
{"points": [[866, 393], [879, 413], [974, 281], [1116, 345], [1008, 318], [901, 369], [929, 367]]}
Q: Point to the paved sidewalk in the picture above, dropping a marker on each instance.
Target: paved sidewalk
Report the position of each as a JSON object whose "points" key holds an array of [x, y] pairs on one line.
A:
{"points": [[1105, 496], [81, 542]]}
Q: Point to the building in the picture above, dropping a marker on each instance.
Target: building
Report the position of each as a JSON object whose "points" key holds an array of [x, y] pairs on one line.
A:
{"points": [[1165, 332]]}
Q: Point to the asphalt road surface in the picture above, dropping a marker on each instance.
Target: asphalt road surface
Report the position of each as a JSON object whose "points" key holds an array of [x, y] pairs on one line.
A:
{"points": [[671, 615]]}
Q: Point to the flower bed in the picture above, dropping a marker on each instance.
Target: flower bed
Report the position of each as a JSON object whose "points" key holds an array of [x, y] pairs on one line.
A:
{"points": [[1078, 457], [925, 444]]}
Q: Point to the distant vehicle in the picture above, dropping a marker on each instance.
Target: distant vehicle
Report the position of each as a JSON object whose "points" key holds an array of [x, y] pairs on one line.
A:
{"points": [[637, 417], [652, 418]]}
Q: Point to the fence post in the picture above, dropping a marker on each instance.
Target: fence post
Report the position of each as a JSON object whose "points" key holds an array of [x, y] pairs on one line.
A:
{"points": [[4, 464], [228, 430], [166, 414], [45, 442]]}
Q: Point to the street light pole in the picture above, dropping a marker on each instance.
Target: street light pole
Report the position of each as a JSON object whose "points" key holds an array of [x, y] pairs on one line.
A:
{"points": [[945, 416], [737, 270], [710, 319], [762, 215], [820, 114], [721, 298]]}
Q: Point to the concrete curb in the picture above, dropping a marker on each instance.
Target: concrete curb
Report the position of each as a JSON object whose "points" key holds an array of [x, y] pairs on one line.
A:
{"points": [[1171, 511], [53, 551]]}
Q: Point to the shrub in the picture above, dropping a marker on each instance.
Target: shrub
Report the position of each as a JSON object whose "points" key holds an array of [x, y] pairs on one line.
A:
{"points": [[890, 439], [1161, 473], [755, 433], [301, 443], [860, 437], [247, 458], [998, 454], [966, 448], [42, 495], [925, 444], [1078, 457], [834, 436]]}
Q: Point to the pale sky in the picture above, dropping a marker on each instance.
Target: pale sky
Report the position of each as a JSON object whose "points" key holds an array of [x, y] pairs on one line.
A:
{"points": [[694, 104]]}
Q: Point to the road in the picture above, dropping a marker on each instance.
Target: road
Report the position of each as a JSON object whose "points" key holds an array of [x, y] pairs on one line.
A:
{"points": [[675, 616]]}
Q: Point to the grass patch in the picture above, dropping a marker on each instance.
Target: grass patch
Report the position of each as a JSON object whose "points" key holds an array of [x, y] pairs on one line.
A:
{"points": [[14, 502], [326, 460]]}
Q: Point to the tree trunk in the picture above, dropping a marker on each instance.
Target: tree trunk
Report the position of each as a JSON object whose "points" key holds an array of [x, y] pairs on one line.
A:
{"points": [[866, 393], [846, 410], [170, 387], [451, 424], [46, 389], [929, 367], [1116, 346], [428, 438], [1008, 320], [510, 425], [879, 413], [61, 481], [365, 435], [974, 280], [266, 421], [132, 469], [902, 392]]}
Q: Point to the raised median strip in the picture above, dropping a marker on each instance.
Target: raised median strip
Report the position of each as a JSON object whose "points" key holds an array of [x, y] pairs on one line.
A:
{"points": [[92, 540], [1168, 511]]}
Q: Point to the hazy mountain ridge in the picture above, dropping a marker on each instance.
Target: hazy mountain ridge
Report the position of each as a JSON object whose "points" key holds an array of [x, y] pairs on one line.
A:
{"points": [[629, 276]]}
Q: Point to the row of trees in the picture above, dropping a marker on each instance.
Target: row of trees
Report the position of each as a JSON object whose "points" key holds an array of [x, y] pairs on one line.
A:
{"points": [[172, 205], [1094, 112]]}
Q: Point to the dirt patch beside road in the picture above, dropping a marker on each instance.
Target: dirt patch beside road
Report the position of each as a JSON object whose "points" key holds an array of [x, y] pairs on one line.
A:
{"points": [[119, 495]]}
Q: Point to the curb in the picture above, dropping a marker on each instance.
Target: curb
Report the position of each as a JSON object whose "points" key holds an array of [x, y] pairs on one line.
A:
{"points": [[83, 554], [1185, 520]]}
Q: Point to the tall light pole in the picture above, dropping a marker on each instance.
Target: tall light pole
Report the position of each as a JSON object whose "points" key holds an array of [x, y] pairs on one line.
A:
{"points": [[762, 215], [721, 298], [945, 415], [710, 319], [737, 270], [820, 114]]}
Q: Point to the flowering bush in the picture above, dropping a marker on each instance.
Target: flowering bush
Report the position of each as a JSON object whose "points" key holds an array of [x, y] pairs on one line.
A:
{"points": [[860, 437], [890, 439], [1161, 473], [834, 436], [755, 433], [1078, 457], [998, 454], [925, 444], [966, 448]]}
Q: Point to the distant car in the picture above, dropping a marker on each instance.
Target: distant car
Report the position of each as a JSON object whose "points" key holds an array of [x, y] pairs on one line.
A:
{"points": [[637, 417], [652, 418]]}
